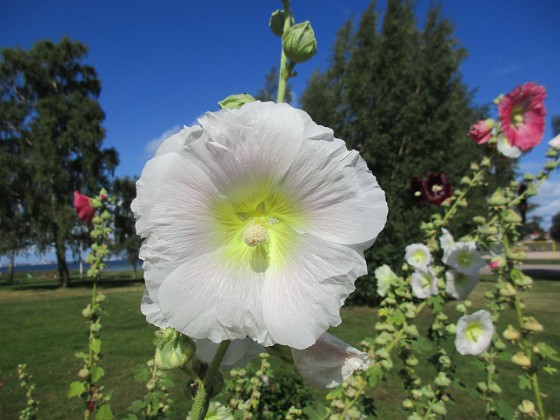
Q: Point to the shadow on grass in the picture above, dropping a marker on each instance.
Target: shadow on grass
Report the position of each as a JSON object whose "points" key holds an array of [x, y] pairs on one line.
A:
{"points": [[543, 273], [109, 281]]}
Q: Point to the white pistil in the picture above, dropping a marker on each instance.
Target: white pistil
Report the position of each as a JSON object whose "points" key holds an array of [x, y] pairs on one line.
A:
{"points": [[255, 234]]}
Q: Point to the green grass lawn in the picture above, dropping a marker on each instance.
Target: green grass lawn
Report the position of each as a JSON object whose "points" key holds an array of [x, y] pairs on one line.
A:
{"points": [[42, 327]]}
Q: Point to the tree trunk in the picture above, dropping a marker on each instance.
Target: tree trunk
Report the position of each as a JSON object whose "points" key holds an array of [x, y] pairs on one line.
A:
{"points": [[11, 267], [63, 273]]}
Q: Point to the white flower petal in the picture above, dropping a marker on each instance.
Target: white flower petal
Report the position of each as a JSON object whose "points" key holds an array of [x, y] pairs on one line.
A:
{"points": [[555, 142], [339, 194], [464, 257], [506, 149], [309, 290], [239, 352], [460, 285], [446, 242], [176, 143], [424, 282], [152, 311], [328, 362], [474, 333]]}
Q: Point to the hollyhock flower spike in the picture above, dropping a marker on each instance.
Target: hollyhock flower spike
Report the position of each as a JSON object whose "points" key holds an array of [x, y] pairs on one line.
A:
{"points": [[82, 204], [481, 131], [328, 362], [255, 222], [437, 188], [474, 333], [522, 115]]}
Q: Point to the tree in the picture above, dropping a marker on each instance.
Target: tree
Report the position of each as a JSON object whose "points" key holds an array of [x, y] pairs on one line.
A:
{"points": [[52, 137], [270, 89], [395, 94], [555, 228], [126, 239]]}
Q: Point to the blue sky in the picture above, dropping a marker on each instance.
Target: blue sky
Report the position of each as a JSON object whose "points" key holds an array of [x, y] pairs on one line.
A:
{"points": [[164, 63]]}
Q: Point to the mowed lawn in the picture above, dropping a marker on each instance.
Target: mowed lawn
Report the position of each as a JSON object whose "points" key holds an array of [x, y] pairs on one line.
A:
{"points": [[43, 328]]}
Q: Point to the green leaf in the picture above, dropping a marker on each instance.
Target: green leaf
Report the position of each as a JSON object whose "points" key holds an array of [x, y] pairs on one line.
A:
{"points": [[397, 318], [524, 382], [550, 370], [104, 413], [505, 356], [422, 345], [374, 374], [548, 352], [81, 355], [96, 345], [76, 389], [141, 374], [335, 393], [97, 373], [315, 413], [504, 410]]}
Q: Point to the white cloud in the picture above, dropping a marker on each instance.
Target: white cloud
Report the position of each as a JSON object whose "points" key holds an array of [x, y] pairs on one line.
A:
{"points": [[505, 70], [153, 145], [548, 201]]}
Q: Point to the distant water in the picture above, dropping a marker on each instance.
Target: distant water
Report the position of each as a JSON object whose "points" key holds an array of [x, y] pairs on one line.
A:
{"points": [[116, 265]]}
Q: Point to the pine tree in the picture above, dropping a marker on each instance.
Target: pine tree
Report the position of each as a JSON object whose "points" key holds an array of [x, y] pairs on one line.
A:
{"points": [[395, 94], [51, 129]]}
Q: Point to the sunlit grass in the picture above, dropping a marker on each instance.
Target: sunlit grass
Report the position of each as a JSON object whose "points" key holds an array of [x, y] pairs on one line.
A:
{"points": [[43, 328]]}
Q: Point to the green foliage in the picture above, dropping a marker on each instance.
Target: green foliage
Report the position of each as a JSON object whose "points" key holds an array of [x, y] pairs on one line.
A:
{"points": [[50, 140], [395, 95], [555, 228]]}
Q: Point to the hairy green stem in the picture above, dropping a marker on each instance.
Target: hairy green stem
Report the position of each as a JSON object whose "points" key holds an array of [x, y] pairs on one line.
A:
{"points": [[201, 400], [535, 382], [285, 68]]}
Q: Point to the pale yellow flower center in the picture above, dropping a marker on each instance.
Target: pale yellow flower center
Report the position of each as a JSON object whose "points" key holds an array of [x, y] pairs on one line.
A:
{"points": [[474, 331]]}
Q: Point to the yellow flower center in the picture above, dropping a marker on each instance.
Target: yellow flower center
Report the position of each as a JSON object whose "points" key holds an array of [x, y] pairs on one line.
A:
{"points": [[474, 331], [255, 225]]}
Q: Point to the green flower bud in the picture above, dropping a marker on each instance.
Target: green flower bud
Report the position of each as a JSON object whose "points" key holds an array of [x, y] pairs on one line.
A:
{"points": [[552, 152], [479, 220], [451, 328], [495, 388], [83, 373], [465, 180], [411, 361], [520, 359], [485, 163], [474, 166], [527, 407], [531, 324], [439, 408], [508, 290], [408, 404], [105, 215], [550, 165], [236, 101], [411, 331], [416, 394], [442, 380], [428, 392], [173, 350], [497, 199], [499, 344], [482, 387], [511, 216], [299, 42]]}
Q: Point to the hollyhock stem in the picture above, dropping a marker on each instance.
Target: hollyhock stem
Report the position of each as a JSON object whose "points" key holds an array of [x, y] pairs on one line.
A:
{"points": [[535, 382], [201, 400], [285, 67]]}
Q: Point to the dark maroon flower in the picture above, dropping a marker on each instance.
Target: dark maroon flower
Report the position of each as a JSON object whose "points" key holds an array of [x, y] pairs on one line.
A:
{"points": [[82, 203], [437, 188]]}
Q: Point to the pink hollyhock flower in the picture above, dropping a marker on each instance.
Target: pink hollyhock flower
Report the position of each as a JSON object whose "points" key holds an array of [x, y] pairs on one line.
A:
{"points": [[480, 132], [82, 203], [494, 264], [437, 188], [522, 115]]}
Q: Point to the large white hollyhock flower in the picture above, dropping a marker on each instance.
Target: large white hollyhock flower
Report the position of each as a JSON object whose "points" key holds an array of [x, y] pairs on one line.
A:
{"points": [[255, 223], [418, 255], [424, 283], [328, 362], [460, 285], [474, 333], [464, 257]]}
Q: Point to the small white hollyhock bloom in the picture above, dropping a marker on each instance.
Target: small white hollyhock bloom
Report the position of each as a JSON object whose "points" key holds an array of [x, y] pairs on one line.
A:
{"points": [[464, 257], [507, 149], [555, 142], [328, 362], [446, 242], [474, 333], [424, 283], [385, 277], [254, 225], [418, 255], [460, 285]]}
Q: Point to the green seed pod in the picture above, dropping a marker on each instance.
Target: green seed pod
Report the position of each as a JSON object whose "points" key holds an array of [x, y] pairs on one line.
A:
{"points": [[236, 101]]}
